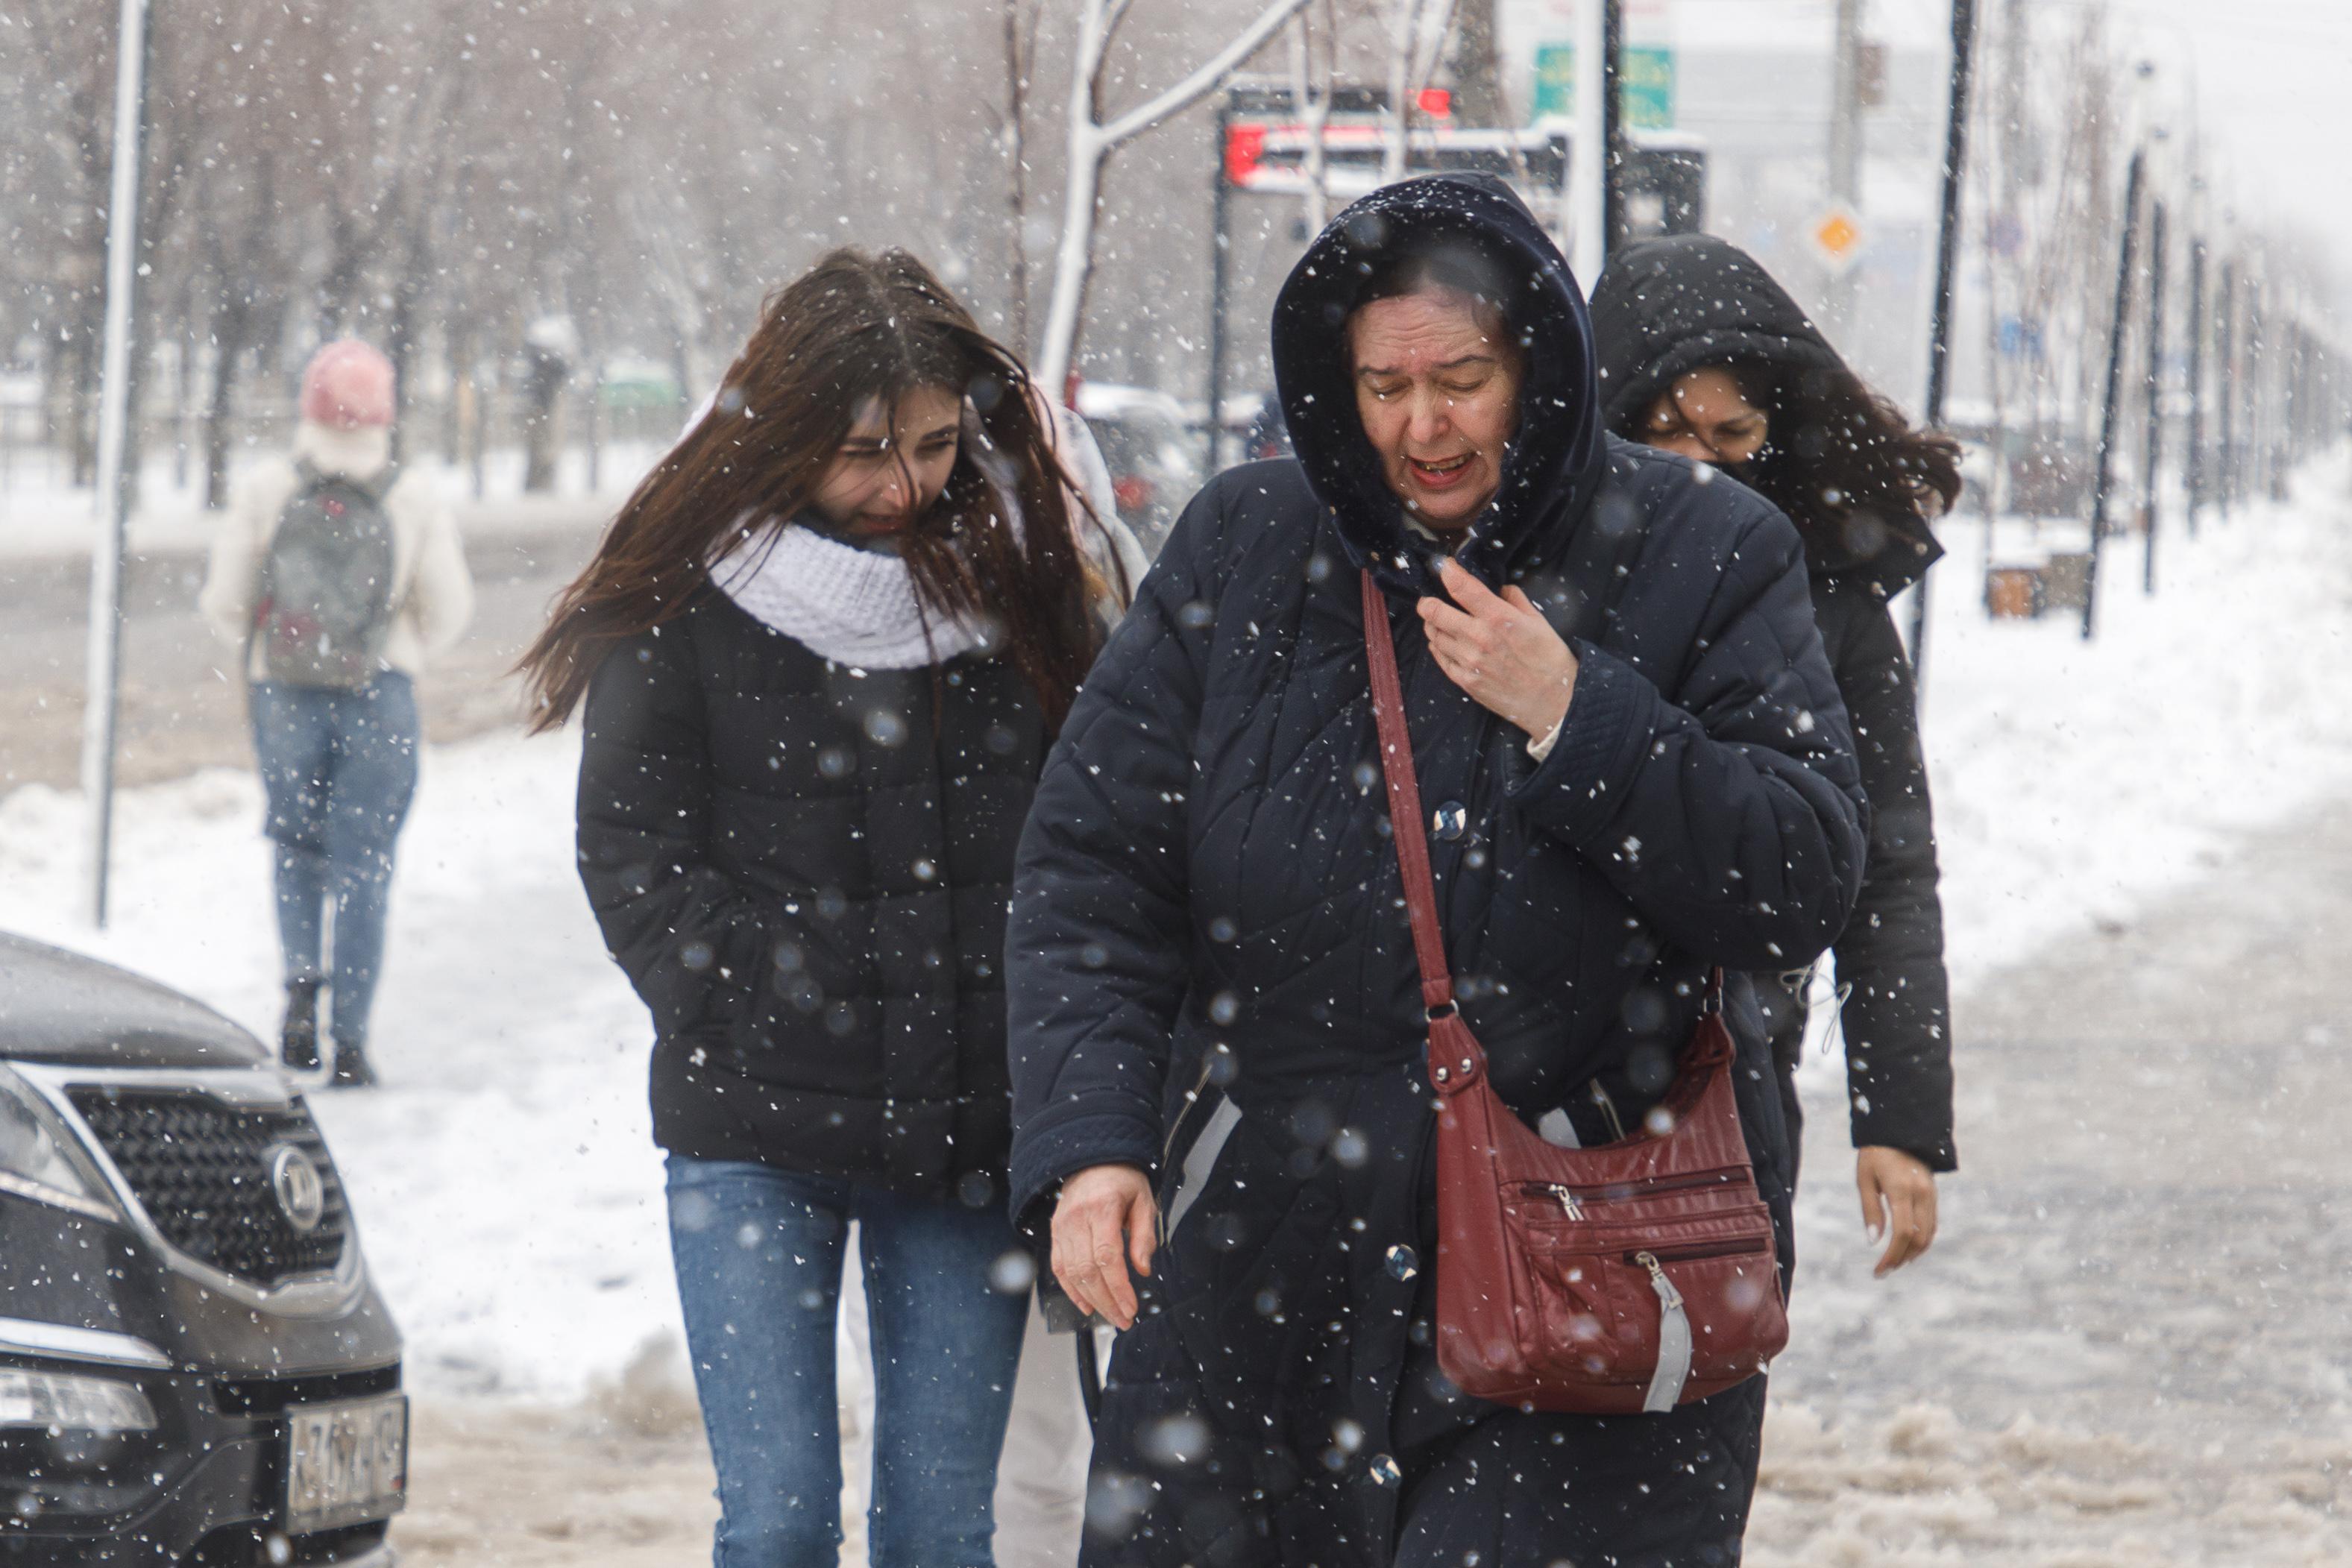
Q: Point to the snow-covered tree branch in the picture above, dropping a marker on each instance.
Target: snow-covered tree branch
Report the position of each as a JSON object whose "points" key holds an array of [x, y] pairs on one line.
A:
{"points": [[1091, 140]]}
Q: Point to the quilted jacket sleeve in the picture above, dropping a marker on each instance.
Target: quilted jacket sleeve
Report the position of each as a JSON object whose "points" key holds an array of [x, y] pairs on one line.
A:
{"points": [[1097, 950], [693, 945], [1728, 809], [1897, 1017]]}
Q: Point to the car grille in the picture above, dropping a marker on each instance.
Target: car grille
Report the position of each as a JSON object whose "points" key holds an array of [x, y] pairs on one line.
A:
{"points": [[201, 1170]]}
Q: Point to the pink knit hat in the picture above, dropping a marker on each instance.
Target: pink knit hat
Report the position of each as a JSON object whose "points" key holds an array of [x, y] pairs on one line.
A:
{"points": [[348, 386]]}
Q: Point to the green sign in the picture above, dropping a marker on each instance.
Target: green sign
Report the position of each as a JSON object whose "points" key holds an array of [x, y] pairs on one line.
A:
{"points": [[1645, 84]]}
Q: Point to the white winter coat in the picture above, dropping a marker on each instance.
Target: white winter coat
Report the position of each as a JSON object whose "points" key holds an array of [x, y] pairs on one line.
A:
{"points": [[433, 592]]}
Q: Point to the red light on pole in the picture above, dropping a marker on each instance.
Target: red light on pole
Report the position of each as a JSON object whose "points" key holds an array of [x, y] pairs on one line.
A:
{"points": [[1435, 103]]}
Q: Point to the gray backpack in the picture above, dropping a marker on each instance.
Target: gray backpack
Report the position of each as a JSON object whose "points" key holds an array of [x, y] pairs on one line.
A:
{"points": [[326, 586]]}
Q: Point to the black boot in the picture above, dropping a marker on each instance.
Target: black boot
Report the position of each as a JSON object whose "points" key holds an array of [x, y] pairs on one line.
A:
{"points": [[352, 1068], [298, 1042]]}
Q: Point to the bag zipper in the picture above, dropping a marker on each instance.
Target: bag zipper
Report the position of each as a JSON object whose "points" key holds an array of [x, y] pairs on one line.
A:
{"points": [[1651, 1257], [1571, 1198]]}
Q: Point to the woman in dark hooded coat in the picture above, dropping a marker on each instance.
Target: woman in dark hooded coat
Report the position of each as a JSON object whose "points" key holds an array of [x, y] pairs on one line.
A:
{"points": [[1217, 1029], [1703, 353]]}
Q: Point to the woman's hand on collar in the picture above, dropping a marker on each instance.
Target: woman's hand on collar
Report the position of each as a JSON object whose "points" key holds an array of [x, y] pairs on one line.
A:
{"points": [[1500, 650]]}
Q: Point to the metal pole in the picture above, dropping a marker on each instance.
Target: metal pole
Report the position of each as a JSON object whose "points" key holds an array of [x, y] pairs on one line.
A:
{"points": [[2194, 478], [103, 673], [2114, 390], [2256, 418], [2225, 385], [2154, 390], [1846, 145], [1947, 248], [1612, 127], [1588, 150], [1220, 243]]}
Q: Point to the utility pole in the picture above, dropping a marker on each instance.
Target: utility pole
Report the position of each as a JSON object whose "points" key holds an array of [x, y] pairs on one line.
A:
{"points": [[1588, 148], [103, 676], [1220, 245], [2154, 390], [2256, 350], [1845, 143], [2194, 477], [1948, 249], [2110, 408], [1612, 127], [2225, 386]]}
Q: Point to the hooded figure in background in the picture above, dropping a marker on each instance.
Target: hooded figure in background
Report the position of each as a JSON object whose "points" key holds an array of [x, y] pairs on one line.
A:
{"points": [[1703, 353], [1217, 1029]]}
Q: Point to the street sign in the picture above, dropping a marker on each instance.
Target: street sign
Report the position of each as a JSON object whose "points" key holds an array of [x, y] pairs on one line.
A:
{"points": [[1646, 85], [1837, 237]]}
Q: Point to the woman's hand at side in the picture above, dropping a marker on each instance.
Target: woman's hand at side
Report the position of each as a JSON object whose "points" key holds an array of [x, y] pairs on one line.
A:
{"points": [[1898, 1201], [1500, 650], [1105, 1220]]}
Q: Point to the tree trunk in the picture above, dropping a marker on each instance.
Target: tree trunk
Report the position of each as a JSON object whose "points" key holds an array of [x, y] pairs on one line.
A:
{"points": [[1477, 68], [542, 398], [1017, 177], [232, 323]]}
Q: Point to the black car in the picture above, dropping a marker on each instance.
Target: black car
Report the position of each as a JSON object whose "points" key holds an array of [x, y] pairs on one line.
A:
{"points": [[194, 1368]]}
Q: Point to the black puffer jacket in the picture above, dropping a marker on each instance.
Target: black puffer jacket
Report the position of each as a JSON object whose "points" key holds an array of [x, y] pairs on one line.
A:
{"points": [[804, 868], [1669, 306], [1208, 898]]}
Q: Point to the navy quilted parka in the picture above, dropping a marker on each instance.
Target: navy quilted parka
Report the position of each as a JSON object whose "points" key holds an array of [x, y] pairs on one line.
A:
{"points": [[1211, 974]]}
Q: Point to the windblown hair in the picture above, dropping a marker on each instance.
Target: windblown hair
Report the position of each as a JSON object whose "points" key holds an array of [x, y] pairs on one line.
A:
{"points": [[855, 328], [1838, 458]]}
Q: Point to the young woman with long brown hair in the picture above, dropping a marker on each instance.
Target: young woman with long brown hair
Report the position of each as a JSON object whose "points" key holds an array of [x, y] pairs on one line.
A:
{"points": [[820, 656], [1703, 353]]}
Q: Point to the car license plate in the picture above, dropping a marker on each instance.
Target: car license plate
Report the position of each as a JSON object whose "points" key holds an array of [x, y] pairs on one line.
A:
{"points": [[346, 1462]]}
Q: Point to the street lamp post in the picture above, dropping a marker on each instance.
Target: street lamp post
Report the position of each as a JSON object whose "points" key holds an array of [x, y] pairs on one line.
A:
{"points": [[102, 677]]}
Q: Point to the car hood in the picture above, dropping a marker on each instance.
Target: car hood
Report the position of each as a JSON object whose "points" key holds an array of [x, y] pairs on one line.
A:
{"points": [[61, 1007]]}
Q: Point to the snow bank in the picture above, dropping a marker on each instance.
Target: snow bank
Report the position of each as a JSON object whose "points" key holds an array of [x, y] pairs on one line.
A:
{"points": [[2073, 779], [504, 1179]]}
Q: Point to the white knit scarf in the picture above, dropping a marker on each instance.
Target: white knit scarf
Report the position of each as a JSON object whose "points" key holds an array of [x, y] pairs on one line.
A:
{"points": [[853, 606]]}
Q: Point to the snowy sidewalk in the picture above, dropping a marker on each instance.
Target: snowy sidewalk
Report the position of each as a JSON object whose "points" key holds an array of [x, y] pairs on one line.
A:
{"points": [[2128, 1344]]}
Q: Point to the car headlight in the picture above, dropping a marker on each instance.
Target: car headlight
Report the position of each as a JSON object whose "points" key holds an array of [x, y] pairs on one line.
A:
{"points": [[65, 1402], [33, 1161]]}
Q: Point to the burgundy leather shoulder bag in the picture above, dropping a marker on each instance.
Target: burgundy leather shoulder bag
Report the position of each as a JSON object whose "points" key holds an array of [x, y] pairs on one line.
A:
{"points": [[1631, 1276]]}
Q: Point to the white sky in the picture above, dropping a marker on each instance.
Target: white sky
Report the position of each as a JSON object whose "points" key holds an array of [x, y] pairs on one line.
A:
{"points": [[2270, 79]]}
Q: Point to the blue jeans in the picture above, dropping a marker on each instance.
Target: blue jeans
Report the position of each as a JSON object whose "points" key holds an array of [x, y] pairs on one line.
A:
{"points": [[759, 1253], [339, 769]]}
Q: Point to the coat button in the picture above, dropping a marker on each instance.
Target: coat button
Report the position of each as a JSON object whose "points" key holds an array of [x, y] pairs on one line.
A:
{"points": [[1450, 820]]}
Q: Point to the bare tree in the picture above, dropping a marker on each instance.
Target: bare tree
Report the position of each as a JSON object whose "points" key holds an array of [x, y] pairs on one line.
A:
{"points": [[1092, 139]]}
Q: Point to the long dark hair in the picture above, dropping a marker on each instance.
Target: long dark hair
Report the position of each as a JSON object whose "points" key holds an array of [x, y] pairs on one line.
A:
{"points": [[852, 327], [1838, 458]]}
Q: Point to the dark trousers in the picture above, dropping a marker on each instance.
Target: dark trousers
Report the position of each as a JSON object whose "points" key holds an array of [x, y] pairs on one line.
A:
{"points": [[339, 769]]}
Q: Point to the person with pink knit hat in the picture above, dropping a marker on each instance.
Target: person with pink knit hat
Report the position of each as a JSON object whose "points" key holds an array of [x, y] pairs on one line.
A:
{"points": [[339, 576]]}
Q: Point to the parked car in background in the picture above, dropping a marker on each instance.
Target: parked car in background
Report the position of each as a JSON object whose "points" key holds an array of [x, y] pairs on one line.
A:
{"points": [[1154, 458], [194, 1368]]}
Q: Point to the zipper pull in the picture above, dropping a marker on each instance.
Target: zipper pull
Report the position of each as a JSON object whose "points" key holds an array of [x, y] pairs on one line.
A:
{"points": [[1568, 1204], [1658, 1280]]}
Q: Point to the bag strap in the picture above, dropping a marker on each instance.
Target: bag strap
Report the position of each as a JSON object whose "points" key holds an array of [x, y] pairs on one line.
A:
{"points": [[1405, 816], [1404, 804]]}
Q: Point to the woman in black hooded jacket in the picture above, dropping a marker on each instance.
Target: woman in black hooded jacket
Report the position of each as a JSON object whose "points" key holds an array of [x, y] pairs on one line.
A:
{"points": [[1217, 1028], [1703, 353]]}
